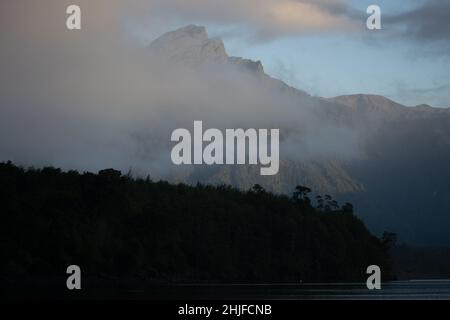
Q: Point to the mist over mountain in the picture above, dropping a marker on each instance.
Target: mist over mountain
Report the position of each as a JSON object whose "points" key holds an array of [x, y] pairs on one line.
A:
{"points": [[119, 107], [395, 170]]}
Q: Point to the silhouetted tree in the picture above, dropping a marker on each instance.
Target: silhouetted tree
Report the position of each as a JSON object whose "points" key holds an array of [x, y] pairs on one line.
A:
{"points": [[320, 202], [258, 189], [300, 195]]}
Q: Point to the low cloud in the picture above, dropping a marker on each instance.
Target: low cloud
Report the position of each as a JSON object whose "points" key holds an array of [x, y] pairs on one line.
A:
{"points": [[93, 98]]}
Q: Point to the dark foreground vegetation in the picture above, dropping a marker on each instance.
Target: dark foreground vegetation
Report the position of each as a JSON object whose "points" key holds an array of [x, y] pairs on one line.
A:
{"points": [[117, 226]]}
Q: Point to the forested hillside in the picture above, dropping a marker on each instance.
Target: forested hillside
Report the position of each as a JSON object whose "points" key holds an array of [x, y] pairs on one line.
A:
{"points": [[116, 225]]}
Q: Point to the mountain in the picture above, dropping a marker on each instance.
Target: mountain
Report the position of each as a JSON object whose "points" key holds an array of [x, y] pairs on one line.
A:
{"points": [[191, 45], [398, 178], [406, 179]]}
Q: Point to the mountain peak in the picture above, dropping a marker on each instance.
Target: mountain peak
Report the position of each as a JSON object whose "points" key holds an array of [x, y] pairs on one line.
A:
{"points": [[193, 30], [249, 65], [368, 102], [189, 44]]}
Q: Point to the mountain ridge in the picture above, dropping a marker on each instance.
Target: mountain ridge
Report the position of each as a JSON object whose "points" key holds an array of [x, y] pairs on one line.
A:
{"points": [[398, 181], [192, 44]]}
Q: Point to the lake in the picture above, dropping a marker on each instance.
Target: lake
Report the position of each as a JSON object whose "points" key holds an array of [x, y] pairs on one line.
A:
{"points": [[94, 289], [414, 289]]}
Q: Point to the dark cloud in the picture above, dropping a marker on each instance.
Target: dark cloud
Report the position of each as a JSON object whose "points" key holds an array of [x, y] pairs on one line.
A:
{"points": [[429, 22]]}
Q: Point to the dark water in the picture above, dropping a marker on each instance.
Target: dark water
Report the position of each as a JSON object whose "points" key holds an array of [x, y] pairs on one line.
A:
{"points": [[422, 290], [410, 290]]}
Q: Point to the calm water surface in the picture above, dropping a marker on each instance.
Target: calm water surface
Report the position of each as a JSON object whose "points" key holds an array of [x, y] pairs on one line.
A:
{"points": [[415, 289]]}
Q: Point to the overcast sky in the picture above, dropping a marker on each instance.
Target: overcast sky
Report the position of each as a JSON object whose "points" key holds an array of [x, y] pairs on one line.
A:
{"points": [[320, 46], [91, 98], [324, 47]]}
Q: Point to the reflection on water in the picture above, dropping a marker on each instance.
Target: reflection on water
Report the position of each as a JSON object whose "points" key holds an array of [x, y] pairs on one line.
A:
{"points": [[429, 289], [439, 289], [95, 289]]}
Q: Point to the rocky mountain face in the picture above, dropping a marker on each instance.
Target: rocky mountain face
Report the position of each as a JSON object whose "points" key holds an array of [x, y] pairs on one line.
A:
{"points": [[191, 45], [400, 179]]}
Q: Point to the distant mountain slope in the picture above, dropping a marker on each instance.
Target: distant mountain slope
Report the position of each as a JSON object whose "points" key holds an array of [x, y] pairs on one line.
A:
{"points": [[400, 177], [379, 108]]}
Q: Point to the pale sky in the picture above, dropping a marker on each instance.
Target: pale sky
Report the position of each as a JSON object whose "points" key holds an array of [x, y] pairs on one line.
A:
{"points": [[324, 48], [320, 46], [411, 71]]}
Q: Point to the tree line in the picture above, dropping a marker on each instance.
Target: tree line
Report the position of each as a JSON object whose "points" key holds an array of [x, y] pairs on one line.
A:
{"points": [[116, 225]]}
